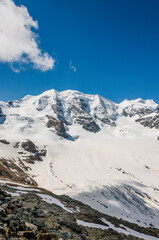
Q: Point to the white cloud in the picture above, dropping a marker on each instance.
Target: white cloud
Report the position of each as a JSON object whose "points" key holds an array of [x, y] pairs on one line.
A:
{"points": [[18, 43], [73, 68]]}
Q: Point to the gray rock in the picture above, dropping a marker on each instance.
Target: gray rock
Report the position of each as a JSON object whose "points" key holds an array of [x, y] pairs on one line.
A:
{"points": [[2, 116], [32, 227], [57, 125], [4, 141], [88, 123], [29, 146], [2, 211], [150, 122], [139, 111]]}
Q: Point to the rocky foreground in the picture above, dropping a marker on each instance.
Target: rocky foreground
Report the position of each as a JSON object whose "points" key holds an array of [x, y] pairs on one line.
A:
{"points": [[28, 212]]}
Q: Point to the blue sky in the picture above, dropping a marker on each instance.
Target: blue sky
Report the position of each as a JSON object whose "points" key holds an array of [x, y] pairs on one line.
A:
{"points": [[112, 44]]}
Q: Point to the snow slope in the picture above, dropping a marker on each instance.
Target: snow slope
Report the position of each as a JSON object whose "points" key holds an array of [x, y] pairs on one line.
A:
{"points": [[124, 230], [110, 164]]}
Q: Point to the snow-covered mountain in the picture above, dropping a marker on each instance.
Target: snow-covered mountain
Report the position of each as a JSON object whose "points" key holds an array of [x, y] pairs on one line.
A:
{"points": [[88, 147], [68, 111]]}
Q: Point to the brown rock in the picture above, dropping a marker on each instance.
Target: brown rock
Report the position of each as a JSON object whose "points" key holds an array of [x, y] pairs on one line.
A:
{"points": [[27, 234], [47, 236], [9, 211], [32, 227]]}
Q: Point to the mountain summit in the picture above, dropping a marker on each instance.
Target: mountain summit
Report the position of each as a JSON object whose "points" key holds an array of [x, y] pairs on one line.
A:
{"points": [[70, 114]]}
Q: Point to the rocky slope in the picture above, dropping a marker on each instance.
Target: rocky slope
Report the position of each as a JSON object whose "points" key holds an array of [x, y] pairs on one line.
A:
{"points": [[27, 212]]}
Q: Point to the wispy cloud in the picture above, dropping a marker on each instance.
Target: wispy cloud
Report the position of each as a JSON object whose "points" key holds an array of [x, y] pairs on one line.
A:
{"points": [[73, 68], [18, 42]]}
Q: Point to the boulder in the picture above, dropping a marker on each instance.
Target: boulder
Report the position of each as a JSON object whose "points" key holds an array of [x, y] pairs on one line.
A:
{"points": [[29, 146], [32, 227], [47, 236], [4, 141], [27, 234]]}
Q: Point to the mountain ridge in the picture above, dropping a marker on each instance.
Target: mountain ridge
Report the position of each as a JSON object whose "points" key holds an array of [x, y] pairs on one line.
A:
{"points": [[92, 112], [141, 100]]}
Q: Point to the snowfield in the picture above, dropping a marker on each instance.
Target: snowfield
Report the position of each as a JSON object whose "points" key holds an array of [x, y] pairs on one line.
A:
{"points": [[123, 229], [117, 177], [114, 170]]}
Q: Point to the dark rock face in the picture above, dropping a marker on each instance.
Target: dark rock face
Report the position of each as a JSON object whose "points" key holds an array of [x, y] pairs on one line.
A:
{"points": [[2, 116], [35, 153], [151, 122], [157, 110], [78, 106], [8, 169], [32, 158], [57, 125], [29, 146], [108, 121], [78, 111], [140, 112], [87, 123], [57, 108], [4, 141], [16, 145], [144, 118], [10, 103], [42, 152]]}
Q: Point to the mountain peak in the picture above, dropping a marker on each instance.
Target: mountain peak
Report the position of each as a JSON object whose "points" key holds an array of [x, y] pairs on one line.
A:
{"points": [[139, 102], [72, 113]]}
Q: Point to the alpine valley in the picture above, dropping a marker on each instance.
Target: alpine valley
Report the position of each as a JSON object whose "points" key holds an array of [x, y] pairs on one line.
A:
{"points": [[87, 166]]}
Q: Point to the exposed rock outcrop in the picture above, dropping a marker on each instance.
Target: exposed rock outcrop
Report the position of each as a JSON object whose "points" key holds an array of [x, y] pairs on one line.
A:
{"points": [[57, 125], [58, 109], [29, 146], [139, 112], [79, 112], [35, 153], [108, 121], [9, 169], [2, 116], [4, 141], [150, 122], [87, 123]]}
